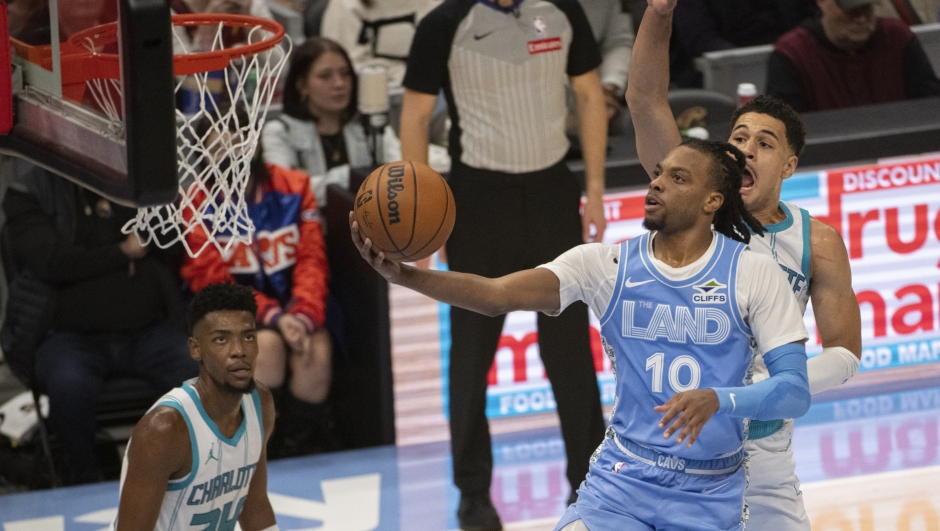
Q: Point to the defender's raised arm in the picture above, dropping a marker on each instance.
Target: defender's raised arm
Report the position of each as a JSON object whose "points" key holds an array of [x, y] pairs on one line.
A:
{"points": [[648, 86]]}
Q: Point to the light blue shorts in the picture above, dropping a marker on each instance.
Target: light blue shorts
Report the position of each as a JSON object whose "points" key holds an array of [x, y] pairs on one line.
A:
{"points": [[634, 488]]}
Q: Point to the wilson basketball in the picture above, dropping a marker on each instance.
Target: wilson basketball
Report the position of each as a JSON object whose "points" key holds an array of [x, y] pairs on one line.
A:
{"points": [[406, 209]]}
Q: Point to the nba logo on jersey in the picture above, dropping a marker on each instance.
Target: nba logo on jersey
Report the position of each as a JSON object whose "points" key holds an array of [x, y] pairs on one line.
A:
{"points": [[709, 293], [540, 26]]}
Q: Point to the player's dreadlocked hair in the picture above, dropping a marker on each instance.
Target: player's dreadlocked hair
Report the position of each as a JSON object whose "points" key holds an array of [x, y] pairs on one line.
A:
{"points": [[732, 219], [220, 297]]}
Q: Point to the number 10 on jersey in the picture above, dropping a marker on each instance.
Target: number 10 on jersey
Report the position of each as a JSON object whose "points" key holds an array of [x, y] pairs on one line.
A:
{"points": [[656, 364]]}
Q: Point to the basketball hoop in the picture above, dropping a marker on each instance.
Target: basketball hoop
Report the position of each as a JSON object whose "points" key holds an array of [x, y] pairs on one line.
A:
{"points": [[211, 206]]}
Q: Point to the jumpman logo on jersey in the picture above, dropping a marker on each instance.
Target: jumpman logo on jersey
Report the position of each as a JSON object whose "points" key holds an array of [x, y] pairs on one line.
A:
{"points": [[211, 457]]}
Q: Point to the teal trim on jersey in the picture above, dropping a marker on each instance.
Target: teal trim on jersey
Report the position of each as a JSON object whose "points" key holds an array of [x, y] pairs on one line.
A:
{"points": [[783, 225], [231, 441], [179, 484], [759, 429], [806, 245], [618, 287], [256, 398]]}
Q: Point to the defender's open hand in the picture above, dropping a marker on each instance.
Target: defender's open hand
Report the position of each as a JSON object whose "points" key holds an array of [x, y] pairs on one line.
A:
{"points": [[389, 270], [689, 410]]}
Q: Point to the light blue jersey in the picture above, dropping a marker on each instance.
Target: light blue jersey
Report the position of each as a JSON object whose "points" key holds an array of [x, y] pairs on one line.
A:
{"points": [[212, 495], [668, 330], [671, 336]]}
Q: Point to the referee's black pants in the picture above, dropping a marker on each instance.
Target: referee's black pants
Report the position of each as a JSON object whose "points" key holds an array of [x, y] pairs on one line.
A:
{"points": [[506, 223]]}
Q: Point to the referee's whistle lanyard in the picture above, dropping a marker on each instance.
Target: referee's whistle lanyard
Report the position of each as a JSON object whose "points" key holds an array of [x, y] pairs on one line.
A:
{"points": [[514, 8]]}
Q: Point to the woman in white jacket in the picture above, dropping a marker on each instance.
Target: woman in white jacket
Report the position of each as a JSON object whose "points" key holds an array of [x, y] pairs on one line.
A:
{"points": [[319, 132]]}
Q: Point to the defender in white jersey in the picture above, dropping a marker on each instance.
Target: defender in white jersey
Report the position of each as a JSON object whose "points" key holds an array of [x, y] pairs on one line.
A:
{"points": [[811, 254], [197, 459]]}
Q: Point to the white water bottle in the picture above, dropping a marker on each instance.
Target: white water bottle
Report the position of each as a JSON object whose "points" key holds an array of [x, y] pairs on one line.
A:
{"points": [[746, 93]]}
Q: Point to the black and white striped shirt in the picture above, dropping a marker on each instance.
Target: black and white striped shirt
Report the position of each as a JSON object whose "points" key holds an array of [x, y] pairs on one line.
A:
{"points": [[504, 73]]}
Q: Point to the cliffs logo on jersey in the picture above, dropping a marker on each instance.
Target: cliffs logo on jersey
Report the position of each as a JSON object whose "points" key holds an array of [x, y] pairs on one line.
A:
{"points": [[278, 251], [710, 293]]}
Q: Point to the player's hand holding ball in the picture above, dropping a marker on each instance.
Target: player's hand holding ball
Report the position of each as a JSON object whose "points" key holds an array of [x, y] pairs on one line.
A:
{"points": [[404, 212], [390, 270]]}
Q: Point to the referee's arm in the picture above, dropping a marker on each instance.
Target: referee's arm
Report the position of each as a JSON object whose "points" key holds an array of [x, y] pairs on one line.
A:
{"points": [[592, 129], [416, 110]]}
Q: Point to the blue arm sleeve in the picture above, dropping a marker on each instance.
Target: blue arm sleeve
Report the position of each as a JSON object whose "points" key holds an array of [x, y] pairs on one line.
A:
{"points": [[784, 395]]}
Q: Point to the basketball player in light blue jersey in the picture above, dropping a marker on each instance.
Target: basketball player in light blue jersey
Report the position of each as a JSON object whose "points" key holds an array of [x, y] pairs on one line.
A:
{"points": [[810, 253], [678, 307], [197, 459]]}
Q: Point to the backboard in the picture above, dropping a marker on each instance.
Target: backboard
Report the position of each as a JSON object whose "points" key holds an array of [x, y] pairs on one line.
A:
{"points": [[123, 146]]}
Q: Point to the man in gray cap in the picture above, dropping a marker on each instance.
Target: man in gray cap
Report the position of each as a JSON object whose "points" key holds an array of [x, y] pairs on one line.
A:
{"points": [[849, 57]]}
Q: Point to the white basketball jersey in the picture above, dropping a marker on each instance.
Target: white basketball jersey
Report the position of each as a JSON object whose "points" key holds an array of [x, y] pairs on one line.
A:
{"points": [[212, 495], [788, 243]]}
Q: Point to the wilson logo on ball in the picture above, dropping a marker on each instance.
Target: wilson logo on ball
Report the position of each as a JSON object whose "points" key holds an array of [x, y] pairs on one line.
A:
{"points": [[395, 185]]}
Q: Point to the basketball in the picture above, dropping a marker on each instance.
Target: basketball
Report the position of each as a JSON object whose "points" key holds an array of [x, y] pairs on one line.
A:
{"points": [[406, 209]]}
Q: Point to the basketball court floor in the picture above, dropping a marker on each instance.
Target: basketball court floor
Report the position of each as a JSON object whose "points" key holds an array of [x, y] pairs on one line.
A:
{"points": [[869, 461]]}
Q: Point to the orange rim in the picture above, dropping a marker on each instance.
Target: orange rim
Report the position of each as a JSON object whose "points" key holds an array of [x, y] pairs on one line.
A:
{"points": [[87, 65]]}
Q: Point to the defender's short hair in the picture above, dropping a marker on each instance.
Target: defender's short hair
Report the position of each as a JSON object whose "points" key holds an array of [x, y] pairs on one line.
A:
{"points": [[221, 296]]}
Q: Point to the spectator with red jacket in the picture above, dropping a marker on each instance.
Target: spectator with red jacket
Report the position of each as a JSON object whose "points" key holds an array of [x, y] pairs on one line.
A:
{"points": [[286, 266], [849, 57]]}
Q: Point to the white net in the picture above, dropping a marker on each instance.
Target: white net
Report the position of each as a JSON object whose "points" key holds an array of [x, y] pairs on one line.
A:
{"points": [[216, 141]]}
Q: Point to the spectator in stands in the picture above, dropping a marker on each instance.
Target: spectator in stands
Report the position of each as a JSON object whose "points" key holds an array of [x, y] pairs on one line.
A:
{"points": [[286, 267], [613, 31], [317, 132], [117, 309], [849, 57], [375, 32], [710, 25]]}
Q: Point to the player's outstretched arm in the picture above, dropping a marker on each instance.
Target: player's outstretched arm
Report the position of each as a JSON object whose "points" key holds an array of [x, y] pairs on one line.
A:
{"points": [[533, 289], [257, 513], [159, 450], [838, 318], [648, 86]]}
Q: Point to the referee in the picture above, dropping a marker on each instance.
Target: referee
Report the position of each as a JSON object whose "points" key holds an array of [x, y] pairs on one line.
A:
{"points": [[504, 66]]}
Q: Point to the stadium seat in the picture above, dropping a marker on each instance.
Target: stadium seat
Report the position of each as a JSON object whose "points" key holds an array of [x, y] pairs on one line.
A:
{"points": [[929, 37], [723, 71]]}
